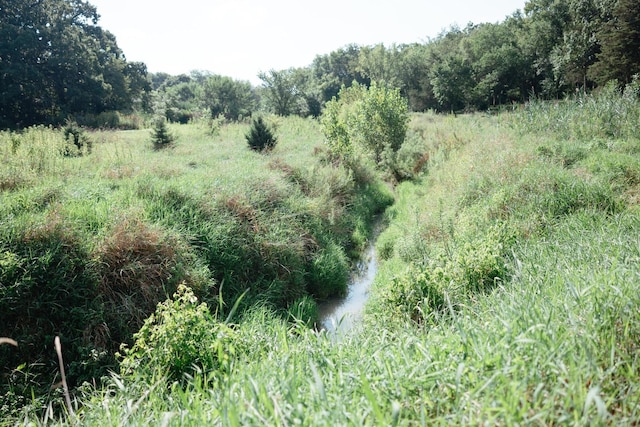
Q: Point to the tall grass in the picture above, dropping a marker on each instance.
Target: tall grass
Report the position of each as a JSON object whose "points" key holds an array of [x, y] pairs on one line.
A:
{"points": [[90, 245], [506, 296]]}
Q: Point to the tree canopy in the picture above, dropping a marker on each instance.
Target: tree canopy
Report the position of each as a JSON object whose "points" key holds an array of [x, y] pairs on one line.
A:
{"points": [[55, 61]]}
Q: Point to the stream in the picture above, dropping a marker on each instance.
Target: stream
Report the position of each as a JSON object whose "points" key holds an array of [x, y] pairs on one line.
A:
{"points": [[339, 315]]}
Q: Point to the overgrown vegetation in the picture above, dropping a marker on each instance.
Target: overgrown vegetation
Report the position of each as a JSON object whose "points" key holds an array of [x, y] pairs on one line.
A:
{"points": [[367, 123], [506, 296], [91, 244]]}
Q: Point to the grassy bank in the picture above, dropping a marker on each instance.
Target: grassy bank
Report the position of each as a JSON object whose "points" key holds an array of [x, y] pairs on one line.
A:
{"points": [[91, 242], [506, 295]]}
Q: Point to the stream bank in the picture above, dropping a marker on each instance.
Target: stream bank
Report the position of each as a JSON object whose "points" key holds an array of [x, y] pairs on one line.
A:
{"points": [[339, 315]]}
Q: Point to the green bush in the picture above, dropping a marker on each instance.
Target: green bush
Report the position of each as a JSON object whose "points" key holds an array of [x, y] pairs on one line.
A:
{"points": [[370, 122], [161, 137], [178, 339], [260, 136], [78, 142]]}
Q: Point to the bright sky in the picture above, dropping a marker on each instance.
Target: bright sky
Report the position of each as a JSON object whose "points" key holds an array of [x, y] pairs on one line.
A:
{"points": [[240, 38]]}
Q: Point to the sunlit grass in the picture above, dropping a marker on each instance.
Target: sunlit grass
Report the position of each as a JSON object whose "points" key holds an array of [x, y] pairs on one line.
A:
{"points": [[529, 241]]}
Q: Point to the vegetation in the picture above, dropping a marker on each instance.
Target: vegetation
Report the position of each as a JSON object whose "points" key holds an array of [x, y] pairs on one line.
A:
{"points": [[161, 137], [367, 122], [506, 293], [56, 62], [260, 136], [90, 245], [183, 285]]}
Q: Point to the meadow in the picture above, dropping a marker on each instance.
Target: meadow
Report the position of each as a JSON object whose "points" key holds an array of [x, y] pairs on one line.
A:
{"points": [[506, 293]]}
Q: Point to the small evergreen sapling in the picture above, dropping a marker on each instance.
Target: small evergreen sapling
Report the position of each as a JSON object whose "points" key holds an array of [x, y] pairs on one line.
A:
{"points": [[260, 137], [160, 135]]}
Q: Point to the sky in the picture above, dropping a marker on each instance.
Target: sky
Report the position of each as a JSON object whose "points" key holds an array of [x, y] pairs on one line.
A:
{"points": [[240, 38]]}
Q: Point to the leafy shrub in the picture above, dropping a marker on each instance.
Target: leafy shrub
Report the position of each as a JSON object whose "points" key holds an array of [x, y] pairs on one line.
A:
{"points": [[260, 136], [371, 122], [179, 338], [76, 136]]}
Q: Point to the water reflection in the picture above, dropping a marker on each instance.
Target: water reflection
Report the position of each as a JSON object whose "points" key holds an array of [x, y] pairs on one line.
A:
{"points": [[339, 315]]}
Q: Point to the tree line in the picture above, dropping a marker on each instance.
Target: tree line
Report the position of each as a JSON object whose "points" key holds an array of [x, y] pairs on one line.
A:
{"points": [[56, 62]]}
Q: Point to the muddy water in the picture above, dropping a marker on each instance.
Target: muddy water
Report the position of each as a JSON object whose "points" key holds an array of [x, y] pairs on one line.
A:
{"points": [[340, 315]]}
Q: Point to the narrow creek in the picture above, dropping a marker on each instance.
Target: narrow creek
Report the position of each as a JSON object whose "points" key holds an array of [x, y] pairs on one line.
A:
{"points": [[339, 315]]}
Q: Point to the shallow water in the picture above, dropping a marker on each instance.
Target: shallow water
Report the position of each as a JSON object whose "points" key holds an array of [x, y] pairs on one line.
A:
{"points": [[340, 315]]}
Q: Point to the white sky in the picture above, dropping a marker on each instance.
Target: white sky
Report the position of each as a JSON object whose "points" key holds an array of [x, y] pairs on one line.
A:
{"points": [[239, 38]]}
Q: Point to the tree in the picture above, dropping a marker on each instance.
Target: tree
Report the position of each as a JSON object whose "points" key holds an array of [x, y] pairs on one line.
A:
{"points": [[545, 23], [577, 50], [337, 69], [281, 91], [619, 58], [55, 61], [224, 96], [367, 121], [260, 136]]}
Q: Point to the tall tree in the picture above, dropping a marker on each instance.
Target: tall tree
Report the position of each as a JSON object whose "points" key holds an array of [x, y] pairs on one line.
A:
{"points": [[225, 96], [56, 61], [281, 92], [619, 58], [545, 24], [337, 69]]}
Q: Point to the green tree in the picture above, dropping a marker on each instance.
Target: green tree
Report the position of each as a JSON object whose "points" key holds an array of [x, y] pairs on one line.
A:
{"points": [[55, 61], [545, 23], [619, 58], [280, 91], [380, 64], [337, 69], [367, 121], [576, 52], [260, 136], [228, 97]]}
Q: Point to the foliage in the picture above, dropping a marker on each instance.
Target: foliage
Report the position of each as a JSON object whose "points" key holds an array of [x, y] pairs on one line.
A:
{"points": [[619, 57], [280, 90], [223, 96], [608, 113], [161, 136], [507, 294], [179, 339], [370, 122], [89, 245], [58, 62], [77, 138], [260, 136]]}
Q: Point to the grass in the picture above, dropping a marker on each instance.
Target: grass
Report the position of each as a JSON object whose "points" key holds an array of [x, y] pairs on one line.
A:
{"points": [[91, 244], [506, 295]]}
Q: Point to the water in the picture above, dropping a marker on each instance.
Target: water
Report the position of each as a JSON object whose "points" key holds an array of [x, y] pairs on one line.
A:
{"points": [[340, 315]]}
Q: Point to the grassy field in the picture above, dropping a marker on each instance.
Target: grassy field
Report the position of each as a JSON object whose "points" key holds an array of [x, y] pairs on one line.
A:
{"points": [[507, 292]]}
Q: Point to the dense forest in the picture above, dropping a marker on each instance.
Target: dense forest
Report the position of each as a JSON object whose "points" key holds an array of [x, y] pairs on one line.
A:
{"points": [[57, 63]]}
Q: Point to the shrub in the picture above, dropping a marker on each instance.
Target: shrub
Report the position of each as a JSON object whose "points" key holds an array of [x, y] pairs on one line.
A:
{"points": [[371, 122], [75, 135], [260, 136], [160, 135], [180, 337]]}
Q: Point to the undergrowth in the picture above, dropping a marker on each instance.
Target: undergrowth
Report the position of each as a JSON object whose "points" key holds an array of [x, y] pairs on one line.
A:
{"points": [[507, 293]]}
